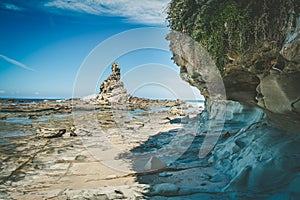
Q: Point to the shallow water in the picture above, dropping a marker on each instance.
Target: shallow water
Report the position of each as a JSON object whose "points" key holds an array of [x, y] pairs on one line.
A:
{"points": [[16, 133], [49, 117], [18, 120]]}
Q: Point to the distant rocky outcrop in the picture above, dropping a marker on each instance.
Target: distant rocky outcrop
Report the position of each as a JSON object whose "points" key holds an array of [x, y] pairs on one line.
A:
{"points": [[113, 95], [112, 90]]}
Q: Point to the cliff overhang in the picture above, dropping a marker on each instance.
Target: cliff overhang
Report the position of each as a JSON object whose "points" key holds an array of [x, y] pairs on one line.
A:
{"points": [[256, 51]]}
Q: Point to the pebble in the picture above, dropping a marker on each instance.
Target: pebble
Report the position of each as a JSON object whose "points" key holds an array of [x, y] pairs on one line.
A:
{"points": [[80, 157]]}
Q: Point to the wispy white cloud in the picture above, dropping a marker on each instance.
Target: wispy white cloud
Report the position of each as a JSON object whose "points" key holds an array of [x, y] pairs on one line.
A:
{"points": [[17, 63], [9, 6], [138, 11], [2, 91]]}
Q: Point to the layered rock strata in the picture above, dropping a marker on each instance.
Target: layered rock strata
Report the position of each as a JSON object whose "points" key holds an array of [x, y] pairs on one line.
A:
{"points": [[112, 90]]}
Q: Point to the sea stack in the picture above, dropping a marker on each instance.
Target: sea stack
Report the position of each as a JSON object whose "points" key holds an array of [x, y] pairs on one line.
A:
{"points": [[112, 90]]}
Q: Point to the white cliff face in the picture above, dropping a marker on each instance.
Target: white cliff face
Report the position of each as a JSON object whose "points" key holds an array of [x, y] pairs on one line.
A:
{"points": [[112, 90]]}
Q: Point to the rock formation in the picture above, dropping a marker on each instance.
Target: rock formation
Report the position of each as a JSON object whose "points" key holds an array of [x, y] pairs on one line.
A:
{"points": [[50, 133], [114, 95], [257, 65], [256, 80], [112, 90], [265, 70]]}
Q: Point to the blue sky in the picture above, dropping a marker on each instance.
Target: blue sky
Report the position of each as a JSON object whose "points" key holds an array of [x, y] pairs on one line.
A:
{"points": [[45, 44]]}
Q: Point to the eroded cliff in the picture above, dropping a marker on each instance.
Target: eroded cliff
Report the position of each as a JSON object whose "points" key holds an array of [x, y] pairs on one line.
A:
{"points": [[256, 50], [247, 52]]}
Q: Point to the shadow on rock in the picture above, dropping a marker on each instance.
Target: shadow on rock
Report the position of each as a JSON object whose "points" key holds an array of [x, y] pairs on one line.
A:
{"points": [[251, 159]]}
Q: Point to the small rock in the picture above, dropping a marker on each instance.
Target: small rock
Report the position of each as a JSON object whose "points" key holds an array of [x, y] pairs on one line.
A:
{"points": [[3, 117], [226, 135], [165, 174], [72, 131], [175, 111], [165, 189], [80, 157], [50, 133], [72, 134], [185, 120], [175, 121], [154, 163], [118, 192], [32, 117], [60, 151]]}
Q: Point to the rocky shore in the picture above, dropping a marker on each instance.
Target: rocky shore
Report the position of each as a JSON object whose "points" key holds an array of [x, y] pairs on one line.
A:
{"points": [[80, 149], [244, 144], [54, 156]]}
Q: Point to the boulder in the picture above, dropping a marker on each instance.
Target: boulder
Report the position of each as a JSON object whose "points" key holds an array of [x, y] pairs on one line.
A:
{"points": [[50, 133]]}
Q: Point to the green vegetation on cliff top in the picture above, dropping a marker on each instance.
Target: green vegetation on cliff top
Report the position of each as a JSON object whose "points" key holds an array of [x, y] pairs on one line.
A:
{"points": [[224, 26]]}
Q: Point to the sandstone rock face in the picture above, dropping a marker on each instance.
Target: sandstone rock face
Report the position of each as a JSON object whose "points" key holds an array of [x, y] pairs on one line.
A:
{"points": [[266, 77], [112, 90], [257, 155]]}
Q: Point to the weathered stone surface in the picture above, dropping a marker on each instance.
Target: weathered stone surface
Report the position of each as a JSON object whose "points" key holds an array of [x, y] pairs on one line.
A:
{"points": [[165, 189], [176, 111], [265, 77], [185, 119], [112, 90], [35, 167], [154, 163], [50, 133]]}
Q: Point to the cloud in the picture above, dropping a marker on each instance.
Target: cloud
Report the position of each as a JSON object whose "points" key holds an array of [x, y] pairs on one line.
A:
{"points": [[150, 12], [9, 6], [2, 91], [12, 61]]}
